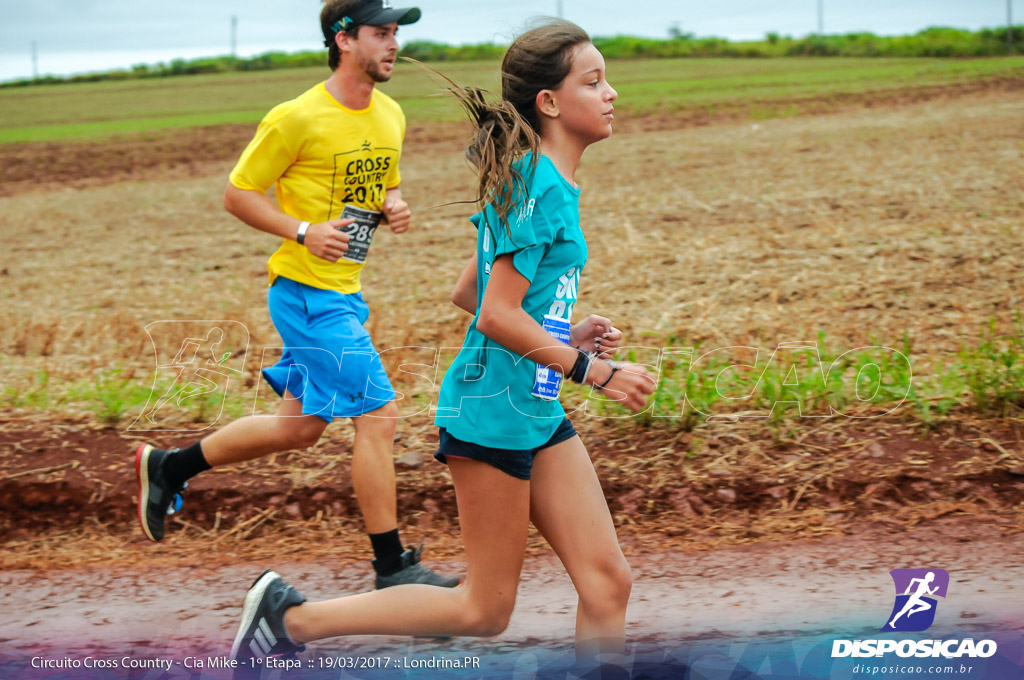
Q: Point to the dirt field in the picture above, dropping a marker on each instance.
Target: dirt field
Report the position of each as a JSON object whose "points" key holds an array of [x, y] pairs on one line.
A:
{"points": [[870, 223], [866, 224]]}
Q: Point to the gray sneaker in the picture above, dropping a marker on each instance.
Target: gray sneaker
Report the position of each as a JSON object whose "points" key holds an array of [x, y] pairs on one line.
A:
{"points": [[261, 633], [413, 572]]}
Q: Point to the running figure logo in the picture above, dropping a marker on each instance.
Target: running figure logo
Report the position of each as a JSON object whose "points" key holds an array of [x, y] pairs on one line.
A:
{"points": [[913, 610], [196, 364]]}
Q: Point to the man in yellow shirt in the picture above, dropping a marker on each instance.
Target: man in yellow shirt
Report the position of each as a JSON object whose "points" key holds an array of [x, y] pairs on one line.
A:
{"points": [[332, 156]]}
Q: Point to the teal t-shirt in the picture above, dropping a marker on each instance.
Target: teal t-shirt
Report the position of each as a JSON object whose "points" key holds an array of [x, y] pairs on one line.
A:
{"points": [[487, 396]]}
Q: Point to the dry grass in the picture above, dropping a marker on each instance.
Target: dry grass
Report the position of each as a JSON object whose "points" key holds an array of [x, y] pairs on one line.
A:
{"points": [[865, 225]]}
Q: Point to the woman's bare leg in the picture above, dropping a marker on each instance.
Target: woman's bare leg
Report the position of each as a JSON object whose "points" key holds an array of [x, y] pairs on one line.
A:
{"points": [[494, 515], [568, 507]]}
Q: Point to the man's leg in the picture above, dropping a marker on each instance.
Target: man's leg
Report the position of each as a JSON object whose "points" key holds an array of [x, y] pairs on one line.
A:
{"points": [[373, 468], [163, 474], [257, 436], [373, 477]]}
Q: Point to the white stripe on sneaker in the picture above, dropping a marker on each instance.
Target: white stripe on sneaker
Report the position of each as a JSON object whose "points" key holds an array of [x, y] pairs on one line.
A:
{"points": [[268, 635], [249, 608]]}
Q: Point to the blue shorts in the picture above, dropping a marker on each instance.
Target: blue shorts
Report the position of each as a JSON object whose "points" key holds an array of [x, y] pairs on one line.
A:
{"points": [[329, 363], [516, 462]]}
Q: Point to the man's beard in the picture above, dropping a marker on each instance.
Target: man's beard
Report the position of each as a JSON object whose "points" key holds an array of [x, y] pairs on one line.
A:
{"points": [[372, 69]]}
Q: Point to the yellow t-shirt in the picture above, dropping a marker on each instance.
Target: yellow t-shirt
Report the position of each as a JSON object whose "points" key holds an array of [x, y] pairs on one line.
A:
{"points": [[319, 156]]}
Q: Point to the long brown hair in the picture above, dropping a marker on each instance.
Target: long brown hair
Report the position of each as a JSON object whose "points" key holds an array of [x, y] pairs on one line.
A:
{"points": [[506, 130]]}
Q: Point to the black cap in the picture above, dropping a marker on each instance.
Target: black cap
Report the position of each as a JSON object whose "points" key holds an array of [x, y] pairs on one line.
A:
{"points": [[374, 13]]}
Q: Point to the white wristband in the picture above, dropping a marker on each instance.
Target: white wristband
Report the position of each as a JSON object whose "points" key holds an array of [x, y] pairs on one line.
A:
{"points": [[300, 236]]}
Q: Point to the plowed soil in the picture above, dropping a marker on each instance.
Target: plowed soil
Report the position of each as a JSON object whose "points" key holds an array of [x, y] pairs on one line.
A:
{"points": [[191, 152]]}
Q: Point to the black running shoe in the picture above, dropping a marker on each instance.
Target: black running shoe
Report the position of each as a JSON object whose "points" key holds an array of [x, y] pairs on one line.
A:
{"points": [[262, 633], [413, 572], [157, 498]]}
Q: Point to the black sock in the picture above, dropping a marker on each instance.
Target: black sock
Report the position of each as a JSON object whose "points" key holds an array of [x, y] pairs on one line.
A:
{"points": [[387, 551], [185, 464]]}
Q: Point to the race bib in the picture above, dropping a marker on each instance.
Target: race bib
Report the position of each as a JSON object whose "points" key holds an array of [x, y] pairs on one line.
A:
{"points": [[361, 231], [547, 381]]}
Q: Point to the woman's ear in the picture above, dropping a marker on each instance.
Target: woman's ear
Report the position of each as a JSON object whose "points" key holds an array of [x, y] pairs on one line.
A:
{"points": [[547, 104]]}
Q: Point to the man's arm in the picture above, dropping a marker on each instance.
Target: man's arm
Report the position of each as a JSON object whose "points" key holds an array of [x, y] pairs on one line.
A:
{"points": [[259, 212]]}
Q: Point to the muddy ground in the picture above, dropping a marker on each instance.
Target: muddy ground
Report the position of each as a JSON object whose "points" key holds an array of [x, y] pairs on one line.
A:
{"points": [[72, 485], [696, 612]]}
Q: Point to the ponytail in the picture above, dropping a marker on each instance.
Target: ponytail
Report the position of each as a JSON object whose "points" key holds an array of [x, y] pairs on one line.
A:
{"points": [[539, 59], [502, 137]]}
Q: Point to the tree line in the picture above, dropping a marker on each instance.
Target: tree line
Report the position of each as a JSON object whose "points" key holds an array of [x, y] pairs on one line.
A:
{"points": [[931, 42]]}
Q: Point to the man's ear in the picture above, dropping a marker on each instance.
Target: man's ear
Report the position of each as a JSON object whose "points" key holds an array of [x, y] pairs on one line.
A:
{"points": [[343, 40], [547, 103]]}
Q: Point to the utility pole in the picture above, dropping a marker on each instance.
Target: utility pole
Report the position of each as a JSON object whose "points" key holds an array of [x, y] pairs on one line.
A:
{"points": [[821, 18], [234, 36], [560, 13], [1009, 26], [35, 60]]}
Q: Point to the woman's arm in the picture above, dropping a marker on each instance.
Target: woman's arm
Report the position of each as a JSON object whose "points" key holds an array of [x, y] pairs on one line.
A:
{"points": [[503, 319], [464, 295]]}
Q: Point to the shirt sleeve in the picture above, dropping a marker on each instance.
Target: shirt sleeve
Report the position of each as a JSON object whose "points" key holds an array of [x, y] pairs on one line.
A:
{"points": [[267, 157], [527, 237]]}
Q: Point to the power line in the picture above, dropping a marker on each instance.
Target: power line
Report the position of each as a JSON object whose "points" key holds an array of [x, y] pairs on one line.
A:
{"points": [[35, 60]]}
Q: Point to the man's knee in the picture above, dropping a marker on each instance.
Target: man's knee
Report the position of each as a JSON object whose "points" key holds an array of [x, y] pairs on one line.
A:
{"points": [[379, 423], [388, 413], [302, 433]]}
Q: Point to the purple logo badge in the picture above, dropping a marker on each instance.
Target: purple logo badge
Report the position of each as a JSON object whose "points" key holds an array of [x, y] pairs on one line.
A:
{"points": [[914, 609]]}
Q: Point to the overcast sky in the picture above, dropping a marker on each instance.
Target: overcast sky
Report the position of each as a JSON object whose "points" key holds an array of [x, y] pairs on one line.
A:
{"points": [[80, 35]]}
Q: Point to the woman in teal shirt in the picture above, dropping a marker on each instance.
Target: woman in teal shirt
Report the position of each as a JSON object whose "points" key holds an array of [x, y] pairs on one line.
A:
{"points": [[513, 456]]}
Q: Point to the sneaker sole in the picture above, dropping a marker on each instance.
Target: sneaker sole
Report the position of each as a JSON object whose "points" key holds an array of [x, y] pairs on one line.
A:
{"points": [[142, 473], [249, 607]]}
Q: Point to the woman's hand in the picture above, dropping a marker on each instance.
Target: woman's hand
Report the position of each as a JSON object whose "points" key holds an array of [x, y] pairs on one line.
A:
{"points": [[596, 334], [629, 384]]}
